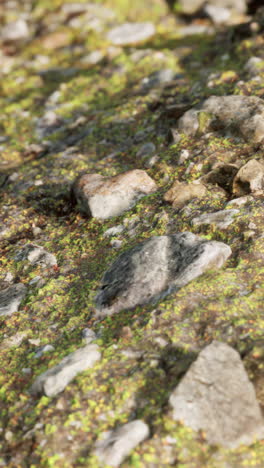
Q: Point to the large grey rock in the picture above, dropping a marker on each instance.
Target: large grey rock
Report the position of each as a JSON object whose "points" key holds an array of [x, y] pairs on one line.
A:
{"points": [[216, 396], [54, 380], [192, 6], [102, 197], [222, 218], [117, 444], [156, 267], [36, 255], [131, 33], [11, 297], [240, 114]]}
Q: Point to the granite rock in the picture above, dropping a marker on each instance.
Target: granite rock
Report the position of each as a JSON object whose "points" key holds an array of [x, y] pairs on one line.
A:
{"points": [[11, 297]]}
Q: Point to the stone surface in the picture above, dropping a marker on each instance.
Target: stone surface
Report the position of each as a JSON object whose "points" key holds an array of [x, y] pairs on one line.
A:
{"points": [[218, 14], [249, 179], [131, 33], [192, 6], [117, 444], [102, 197], [222, 218], [54, 380], [180, 193], [11, 297], [156, 267], [254, 65], [36, 255], [15, 31], [146, 150], [216, 396], [243, 115]]}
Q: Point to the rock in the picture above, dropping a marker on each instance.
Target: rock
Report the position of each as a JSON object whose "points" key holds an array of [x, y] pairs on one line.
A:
{"points": [[190, 7], [93, 58], [218, 14], [15, 31], [158, 78], [155, 268], [240, 114], [36, 255], [11, 297], [216, 396], [54, 380], [221, 219], [146, 150], [43, 350], [131, 33], [249, 179], [180, 193], [254, 65], [113, 231], [118, 443], [102, 197], [88, 335]]}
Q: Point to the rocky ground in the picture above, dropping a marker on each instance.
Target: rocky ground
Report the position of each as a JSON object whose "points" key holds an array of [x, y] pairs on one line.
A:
{"points": [[131, 235]]}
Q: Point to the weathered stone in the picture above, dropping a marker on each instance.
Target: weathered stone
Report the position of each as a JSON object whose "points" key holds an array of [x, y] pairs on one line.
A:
{"points": [[131, 33], [146, 150], [102, 197], [222, 218], [155, 268], [254, 66], [216, 396], [36, 255], [158, 78], [249, 179], [15, 31], [218, 14], [180, 193], [117, 444], [11, 297], [192, 6], [54, 380], [241, 114]]}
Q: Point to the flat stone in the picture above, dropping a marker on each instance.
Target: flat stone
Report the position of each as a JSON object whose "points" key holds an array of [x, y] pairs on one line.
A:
{"points": [[243, 115], [36, 255], [102, 197], [54, 380], [155, 268], [249, 179], [222, 218], [254, 66], [216, 396], [11, 297], [117, 444], [180, 193], [131, 33]]}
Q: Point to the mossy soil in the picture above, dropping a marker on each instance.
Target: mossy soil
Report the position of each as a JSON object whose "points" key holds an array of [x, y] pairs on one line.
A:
{"points": [[226, 305]]}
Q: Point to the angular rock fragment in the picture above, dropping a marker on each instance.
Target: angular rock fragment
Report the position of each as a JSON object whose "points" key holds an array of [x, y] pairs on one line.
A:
{"points": [[249, 179], [117, 444], [180, 193], [131, 33], [54, 380], [216, 396], [240, 114], [102, 197], [222, 218], [36, 255], [11, 297], [155, 268]]}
